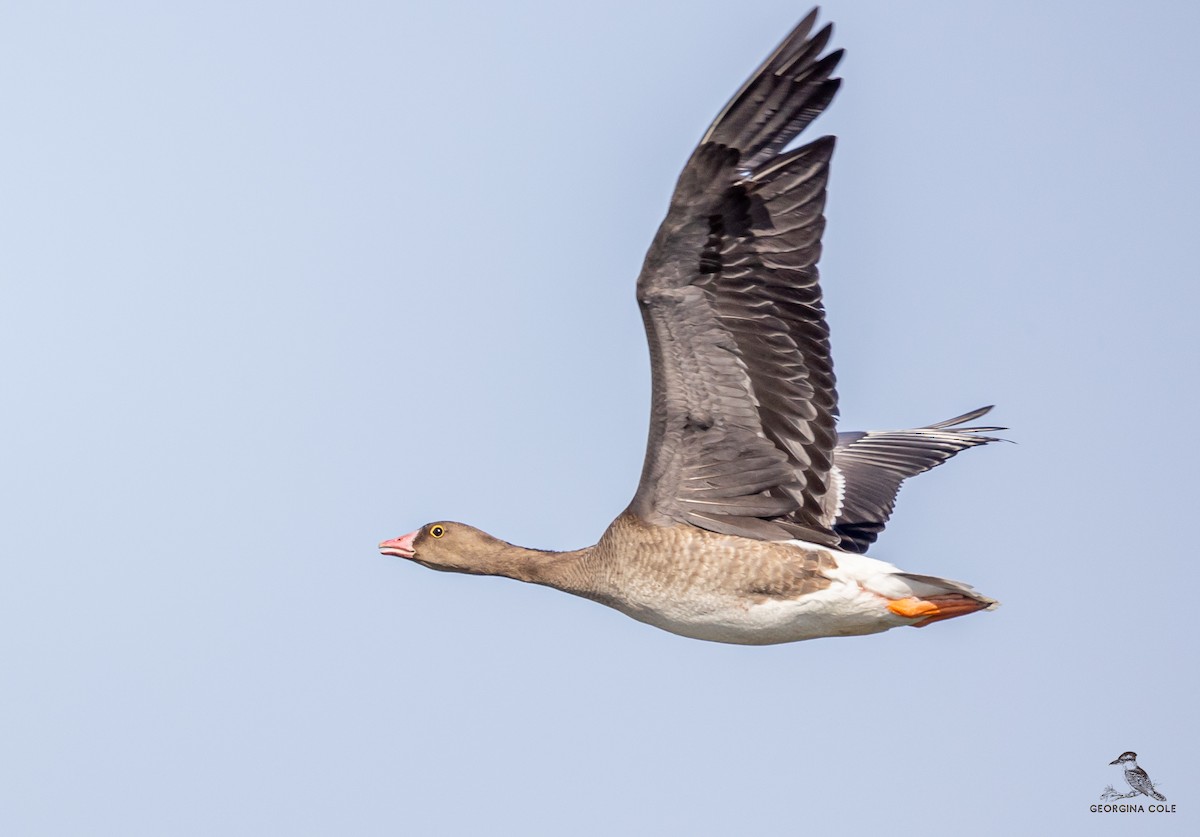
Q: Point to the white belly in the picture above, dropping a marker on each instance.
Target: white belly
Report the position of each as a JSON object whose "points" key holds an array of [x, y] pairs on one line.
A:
{"points": [[843, 609]]}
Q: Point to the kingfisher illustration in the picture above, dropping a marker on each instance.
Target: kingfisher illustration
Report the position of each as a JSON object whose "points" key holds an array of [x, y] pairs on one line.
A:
{"points": [[1137, 778]]}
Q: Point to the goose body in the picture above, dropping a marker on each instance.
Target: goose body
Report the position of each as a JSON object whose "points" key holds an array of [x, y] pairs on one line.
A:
{"points": [[726, 588], [752, 511]]}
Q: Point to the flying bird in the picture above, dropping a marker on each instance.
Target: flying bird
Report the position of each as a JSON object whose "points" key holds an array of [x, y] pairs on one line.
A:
{"points": [[753, 513], [1137, 778]]}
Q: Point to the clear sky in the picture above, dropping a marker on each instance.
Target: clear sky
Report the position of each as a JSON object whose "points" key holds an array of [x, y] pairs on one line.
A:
{"points": [[281, 280]]}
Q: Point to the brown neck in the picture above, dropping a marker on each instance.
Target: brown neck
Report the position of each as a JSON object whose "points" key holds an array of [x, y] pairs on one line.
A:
{"points": [[568, 571]]}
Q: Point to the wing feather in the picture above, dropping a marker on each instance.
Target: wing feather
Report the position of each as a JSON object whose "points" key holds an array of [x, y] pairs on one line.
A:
{"points": [[873, 465], [744, 404]]}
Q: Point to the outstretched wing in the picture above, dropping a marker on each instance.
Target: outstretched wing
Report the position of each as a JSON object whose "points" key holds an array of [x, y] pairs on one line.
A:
{"points": [[871, 467], [744, 405]]}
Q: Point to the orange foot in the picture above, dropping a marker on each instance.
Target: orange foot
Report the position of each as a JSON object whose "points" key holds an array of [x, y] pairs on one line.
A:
{"points": [[935, 608]]}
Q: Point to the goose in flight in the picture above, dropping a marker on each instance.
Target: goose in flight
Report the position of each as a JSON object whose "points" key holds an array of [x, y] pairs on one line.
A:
{"points": [[752, 513]]}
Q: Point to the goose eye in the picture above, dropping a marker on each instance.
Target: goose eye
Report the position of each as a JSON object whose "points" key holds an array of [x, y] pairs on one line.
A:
{"points": [[437, 531]]}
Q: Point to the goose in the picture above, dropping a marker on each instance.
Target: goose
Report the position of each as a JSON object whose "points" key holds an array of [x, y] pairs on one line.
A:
{"points": [[752, 516]]}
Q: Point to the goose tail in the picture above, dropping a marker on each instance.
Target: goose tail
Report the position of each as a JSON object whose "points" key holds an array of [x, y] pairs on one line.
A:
{"points": [[935, 599]]}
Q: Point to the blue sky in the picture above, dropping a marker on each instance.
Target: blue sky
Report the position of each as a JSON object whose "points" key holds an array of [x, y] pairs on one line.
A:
{"points": [[284, 280]]}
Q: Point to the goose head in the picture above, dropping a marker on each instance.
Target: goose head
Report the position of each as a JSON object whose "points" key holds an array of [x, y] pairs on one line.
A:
{"points": [[449, 547]]}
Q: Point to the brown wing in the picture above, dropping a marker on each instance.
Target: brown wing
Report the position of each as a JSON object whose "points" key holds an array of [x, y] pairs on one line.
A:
{"points": [[744, 405], [873, 465]]}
